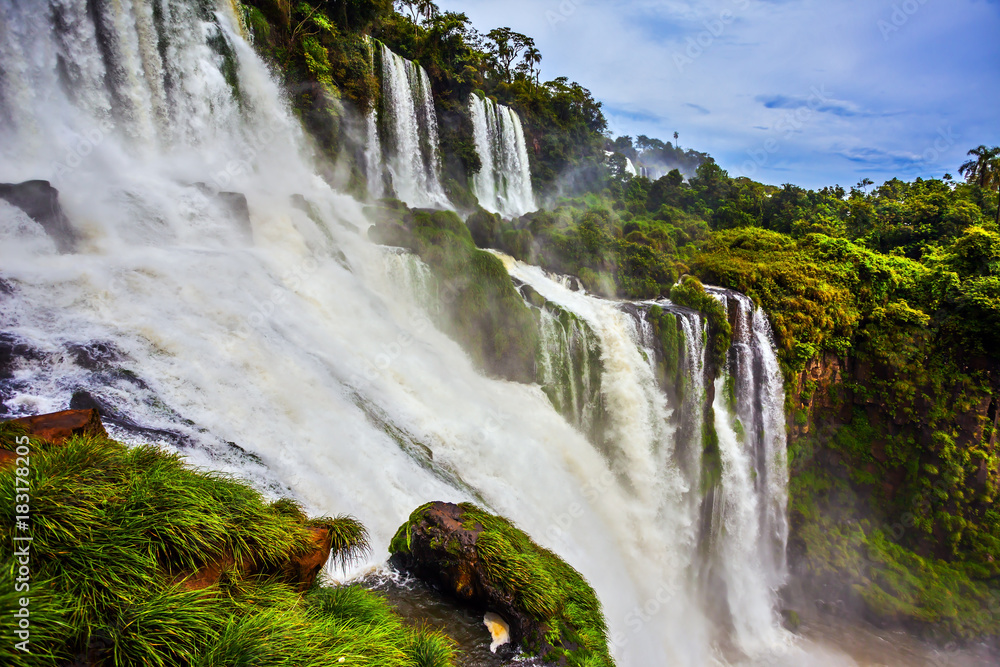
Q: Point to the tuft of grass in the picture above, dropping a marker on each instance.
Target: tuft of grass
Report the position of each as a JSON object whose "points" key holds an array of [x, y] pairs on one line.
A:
{"points": [[350, 539], [113, 529]]}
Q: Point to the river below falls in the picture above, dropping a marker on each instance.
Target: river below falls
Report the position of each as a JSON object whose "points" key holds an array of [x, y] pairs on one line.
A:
{"points": [[825, 640]]}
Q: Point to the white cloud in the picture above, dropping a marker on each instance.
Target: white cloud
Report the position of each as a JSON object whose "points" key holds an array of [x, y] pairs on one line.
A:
{"points": [[659, 66]]}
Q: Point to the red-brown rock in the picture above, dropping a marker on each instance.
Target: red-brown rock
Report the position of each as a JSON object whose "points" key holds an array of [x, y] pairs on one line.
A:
{"points": [[58, 427], [303, 569]]}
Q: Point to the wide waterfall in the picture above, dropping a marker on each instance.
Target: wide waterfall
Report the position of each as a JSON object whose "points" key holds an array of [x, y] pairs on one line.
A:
{"points": [[503, 184], [283, 346], [402, 142]]}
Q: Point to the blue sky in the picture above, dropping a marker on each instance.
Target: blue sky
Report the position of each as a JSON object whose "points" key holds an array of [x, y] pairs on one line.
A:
{"points": [[811, 92]]}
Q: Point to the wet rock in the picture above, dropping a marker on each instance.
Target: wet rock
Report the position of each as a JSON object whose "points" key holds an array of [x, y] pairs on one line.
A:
{"points": [[236, 204], [233, 203], [489, 564], [13, 349], [58, 427], [93, 356], [41, 202], [84, 400], [300, 569]]}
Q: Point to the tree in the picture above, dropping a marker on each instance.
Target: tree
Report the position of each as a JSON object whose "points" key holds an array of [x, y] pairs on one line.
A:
{"points": [[984, 170], [533, 58], [419, 8], [506, 48]]}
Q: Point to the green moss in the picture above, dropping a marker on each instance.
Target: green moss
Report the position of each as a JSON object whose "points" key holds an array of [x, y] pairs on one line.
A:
{"points": [[875, 559], [545, 586], [711, 458], [691, 293], [481, 308], [114, 527], [541, 584]]}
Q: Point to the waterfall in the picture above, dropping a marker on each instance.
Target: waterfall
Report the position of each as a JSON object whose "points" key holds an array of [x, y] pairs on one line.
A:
{"points": [[285, 348], [760, 410], [728, 526], [408, 148], [569, 367], [503, 184]]}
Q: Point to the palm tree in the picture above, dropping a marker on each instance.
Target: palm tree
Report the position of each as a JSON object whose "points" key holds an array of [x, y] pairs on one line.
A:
{"points": [[427, 9], [984, 170], [533, 58]]}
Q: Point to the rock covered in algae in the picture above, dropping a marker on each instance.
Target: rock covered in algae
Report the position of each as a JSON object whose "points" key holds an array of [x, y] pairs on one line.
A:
{"points": [[487, 562]]}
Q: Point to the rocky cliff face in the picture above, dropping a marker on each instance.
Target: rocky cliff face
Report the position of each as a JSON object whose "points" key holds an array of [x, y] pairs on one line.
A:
{"points": [[832, 392], [893, 494]]}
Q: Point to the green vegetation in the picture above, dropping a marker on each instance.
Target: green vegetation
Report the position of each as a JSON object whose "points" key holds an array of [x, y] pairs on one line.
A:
{"points": [[843, 554], [541, 584], [897, 286], [900, 284], [480, 306], [323, 51], [117, 534]]}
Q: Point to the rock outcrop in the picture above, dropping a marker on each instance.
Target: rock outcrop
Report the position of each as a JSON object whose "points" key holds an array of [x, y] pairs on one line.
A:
{"points": [[486, 562], [58, 427], [41, 202], [300, 570]]}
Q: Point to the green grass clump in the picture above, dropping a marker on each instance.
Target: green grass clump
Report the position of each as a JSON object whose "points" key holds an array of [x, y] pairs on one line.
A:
{"points": [[117, 530]]}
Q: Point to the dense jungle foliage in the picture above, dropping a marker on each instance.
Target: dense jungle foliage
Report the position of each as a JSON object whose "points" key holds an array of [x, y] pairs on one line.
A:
{"points": [[895, 287]]}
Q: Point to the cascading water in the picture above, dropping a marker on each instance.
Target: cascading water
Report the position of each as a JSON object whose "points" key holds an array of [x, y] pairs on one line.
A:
{"points": [[407, 149], [728, 527], [297, 361], [503, 184]]}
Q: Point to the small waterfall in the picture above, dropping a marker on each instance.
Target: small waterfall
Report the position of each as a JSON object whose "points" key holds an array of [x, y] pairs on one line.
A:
{"points": [[750, 521], [403, 137], [413, 277], [758, 391], [373, 145], [503, 185], [569, 367]]}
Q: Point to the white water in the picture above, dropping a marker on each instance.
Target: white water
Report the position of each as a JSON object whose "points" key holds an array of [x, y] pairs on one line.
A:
{"points": [[309, 347], [408, 151], [503, 185], [655, 450]]}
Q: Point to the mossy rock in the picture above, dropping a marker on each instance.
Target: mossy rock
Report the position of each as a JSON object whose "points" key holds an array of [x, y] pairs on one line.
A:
{"points": [[490, 564], [481, 308]]}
